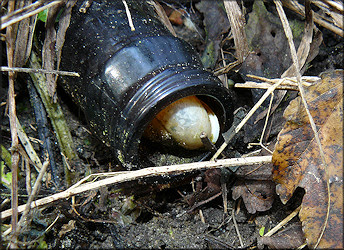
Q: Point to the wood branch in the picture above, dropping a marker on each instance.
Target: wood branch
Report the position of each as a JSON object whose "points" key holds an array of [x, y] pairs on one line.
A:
{"points": [[143, 173], [44, 71]]}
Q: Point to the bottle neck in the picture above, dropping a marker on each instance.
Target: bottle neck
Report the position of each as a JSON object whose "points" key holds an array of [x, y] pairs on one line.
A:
{"points": [[154, 94]]}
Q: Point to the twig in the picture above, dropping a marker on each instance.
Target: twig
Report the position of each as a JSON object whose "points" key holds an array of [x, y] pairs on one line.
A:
{"points": [[29, 70], [146, 172], [224, 197], [28, 11], [306, 80], [289, 36], [130, 20], [237, 228], [28, 177], [263, 85], [283, 222], [10, 42], [201, 216], [242, 123], [264, 128], [204, 202], [35, 190]]}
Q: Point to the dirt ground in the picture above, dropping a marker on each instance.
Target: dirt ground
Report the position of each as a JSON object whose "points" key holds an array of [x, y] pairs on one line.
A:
{"points": [[154, 213]]}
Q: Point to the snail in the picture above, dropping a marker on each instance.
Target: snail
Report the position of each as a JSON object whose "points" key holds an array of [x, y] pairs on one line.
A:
{"points": [[183, 122], [141, 82]]}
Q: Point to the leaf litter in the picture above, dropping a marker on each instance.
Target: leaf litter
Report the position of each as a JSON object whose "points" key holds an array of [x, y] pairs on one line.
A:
{"points": [[298, 163], [335, 179]]}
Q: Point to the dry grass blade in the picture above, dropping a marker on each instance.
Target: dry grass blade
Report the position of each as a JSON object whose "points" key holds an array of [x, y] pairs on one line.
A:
{"points": [[28, 147], [28, 70], [283, 222], [306, 52], [305, 45], [328, 24], [162, 15], [28, 11], [61, 33], [290, 83], [130, 20], [289, 36], [53, 42], [237, 21], [332, 9], [48, 50], [10, 42], [144, 173]]}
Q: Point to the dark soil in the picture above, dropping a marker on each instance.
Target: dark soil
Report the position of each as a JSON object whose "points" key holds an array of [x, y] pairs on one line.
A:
{"points": [[150, 213]]}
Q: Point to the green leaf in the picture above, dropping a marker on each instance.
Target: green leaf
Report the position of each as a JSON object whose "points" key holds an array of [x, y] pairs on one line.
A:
{"points": [[261, 231], [42, 16], [42, 243], [6, 179], [6, 156]]}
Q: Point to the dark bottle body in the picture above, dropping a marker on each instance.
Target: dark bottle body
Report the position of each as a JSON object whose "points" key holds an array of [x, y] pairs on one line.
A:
{"points": [[127, 76]]}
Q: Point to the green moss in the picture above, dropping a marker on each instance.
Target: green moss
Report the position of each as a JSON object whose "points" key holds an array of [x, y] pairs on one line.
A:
{"points": [[208, 57], [297, 28]]}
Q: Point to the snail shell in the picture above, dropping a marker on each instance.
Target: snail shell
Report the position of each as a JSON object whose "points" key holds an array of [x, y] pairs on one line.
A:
{"points": [[183, 122]]}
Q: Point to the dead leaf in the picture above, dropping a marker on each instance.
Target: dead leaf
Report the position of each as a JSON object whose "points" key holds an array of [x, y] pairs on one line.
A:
{"points": [[216, 24], [255, 186], [297, 162], [258, 196], [176, 17], [66, 228], [269, 58]]}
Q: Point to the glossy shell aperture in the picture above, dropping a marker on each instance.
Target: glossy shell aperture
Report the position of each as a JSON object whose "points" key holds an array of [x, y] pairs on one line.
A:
{"points": [[183, 122]]}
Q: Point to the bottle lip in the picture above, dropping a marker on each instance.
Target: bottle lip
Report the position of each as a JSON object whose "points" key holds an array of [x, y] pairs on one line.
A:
{"points": [[164, 88]]}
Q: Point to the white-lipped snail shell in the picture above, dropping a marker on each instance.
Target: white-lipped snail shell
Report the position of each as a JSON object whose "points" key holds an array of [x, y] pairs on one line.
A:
{"points": [[183, 122]]}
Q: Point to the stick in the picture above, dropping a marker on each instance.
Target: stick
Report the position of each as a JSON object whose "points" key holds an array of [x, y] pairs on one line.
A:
{"points": [[146, 172], [18, 15], [29, 70], [128, 15]]}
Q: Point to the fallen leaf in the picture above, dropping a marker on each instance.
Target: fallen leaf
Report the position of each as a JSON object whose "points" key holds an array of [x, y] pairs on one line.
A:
{"points": [[176, 17], [258, 196], [216, 23], [297, 161], [269, 58], [66, 228], [255, 186]]}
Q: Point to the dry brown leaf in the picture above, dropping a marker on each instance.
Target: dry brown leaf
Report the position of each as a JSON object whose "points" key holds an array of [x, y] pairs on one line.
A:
{"points": [[298, 162], [255, 186], [258, 196]]}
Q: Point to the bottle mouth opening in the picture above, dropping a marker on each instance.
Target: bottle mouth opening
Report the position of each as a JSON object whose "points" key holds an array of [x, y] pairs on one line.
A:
{"points": [[167, 150], [159, 92]]}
